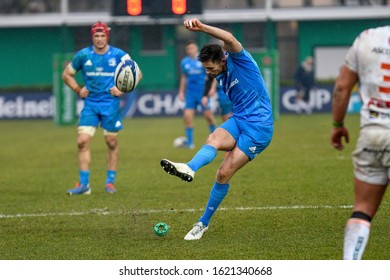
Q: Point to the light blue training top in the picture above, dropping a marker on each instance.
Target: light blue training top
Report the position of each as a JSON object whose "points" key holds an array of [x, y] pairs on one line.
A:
{"points": [[98, 71], [245, 87], [193, 69]]}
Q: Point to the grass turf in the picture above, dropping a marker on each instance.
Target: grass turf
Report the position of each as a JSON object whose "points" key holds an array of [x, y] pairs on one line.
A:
{"points": [[290, 203]]}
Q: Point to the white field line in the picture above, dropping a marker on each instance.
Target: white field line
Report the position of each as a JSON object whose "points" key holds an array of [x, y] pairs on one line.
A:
{"points": [[105, 211]]}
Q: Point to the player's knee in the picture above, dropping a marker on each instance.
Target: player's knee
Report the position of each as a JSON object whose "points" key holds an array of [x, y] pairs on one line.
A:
{"points": [[112, 144], [112, 141], [223, 176], [211, 139], [211, 120], [188, 121], [83, 142]]}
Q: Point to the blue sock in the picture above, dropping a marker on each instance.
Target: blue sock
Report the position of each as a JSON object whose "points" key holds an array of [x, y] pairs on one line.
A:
{"points": [[84, 177], [212, 127], [111, 174], [204, 156], [217, 194], [190, 135]]}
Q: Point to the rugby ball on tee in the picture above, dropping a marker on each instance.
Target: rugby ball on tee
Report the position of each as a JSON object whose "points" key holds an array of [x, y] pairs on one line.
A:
{"points": [[127, 75]]}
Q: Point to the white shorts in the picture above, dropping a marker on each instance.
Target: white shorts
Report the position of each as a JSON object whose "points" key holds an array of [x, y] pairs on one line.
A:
{"points": [[371, 157]]}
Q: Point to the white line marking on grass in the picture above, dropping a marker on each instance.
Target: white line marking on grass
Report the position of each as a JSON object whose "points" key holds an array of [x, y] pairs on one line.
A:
{"points": [[105, 211]]}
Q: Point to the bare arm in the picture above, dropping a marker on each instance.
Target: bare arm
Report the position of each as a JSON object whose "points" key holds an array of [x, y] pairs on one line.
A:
{"points": [[341, 95], [182, 87], [69, 79], [342, 92], [231, 44], [209, 90]]}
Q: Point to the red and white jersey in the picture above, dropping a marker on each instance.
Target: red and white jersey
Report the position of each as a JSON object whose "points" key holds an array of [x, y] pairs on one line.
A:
{"points": [[369, 57]]}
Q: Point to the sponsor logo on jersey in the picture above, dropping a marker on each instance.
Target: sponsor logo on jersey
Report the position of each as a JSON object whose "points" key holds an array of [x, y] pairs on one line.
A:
{"points": [[102, 74], [380, 50], [232, 84], [379, 115], [112, 62], [376, 151]]}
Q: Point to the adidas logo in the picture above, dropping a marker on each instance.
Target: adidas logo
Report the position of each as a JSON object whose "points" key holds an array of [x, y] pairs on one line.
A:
{"points": [[88, 63], [118, 124], [253, 150]]}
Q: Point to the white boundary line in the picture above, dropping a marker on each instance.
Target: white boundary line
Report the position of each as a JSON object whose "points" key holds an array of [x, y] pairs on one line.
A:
{"points": [[105, 211]]}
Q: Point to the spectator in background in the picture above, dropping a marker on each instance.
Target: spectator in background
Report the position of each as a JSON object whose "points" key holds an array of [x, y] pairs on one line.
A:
{"points": [[304, 82]]}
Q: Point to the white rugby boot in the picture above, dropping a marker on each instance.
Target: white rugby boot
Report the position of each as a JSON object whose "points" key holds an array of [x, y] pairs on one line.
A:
{"points": [[196, 232], [181, 170]]}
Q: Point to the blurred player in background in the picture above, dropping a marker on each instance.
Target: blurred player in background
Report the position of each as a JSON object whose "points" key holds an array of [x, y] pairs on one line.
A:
{"points": [[367, 62], [101, 103], [245, 134], [192, 83]]}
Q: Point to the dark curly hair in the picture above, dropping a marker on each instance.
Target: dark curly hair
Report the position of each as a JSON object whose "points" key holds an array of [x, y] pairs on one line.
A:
{"points": [[211, 52]]}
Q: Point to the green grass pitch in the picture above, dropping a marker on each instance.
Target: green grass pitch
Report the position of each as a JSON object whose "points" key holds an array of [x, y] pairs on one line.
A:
{"points": [[290, 203]]}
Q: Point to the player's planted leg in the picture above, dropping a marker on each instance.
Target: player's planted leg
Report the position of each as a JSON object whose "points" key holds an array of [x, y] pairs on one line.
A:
{"points": [[217, 194]]}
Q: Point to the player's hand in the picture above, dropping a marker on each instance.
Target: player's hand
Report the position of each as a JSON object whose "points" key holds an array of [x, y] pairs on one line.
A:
{"points": [[116, 92], [193, 24], [205, 101], [83, 92], [181, 96], [337, 135]]}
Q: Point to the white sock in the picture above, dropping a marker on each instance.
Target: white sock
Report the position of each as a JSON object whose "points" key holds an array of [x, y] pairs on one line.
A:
{"points": [[356, 235]]}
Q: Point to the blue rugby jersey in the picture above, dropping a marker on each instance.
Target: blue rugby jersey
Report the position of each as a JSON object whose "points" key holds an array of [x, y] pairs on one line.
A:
{"points": [[98, 71], [196, 76], [222, 97], [244, 85]]}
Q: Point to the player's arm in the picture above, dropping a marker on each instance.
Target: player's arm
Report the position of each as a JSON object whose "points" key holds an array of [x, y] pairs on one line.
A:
{"points": [[209, 90], [209, 87], [341, 95], [231, 44], [68, 76], [182, 86]]}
